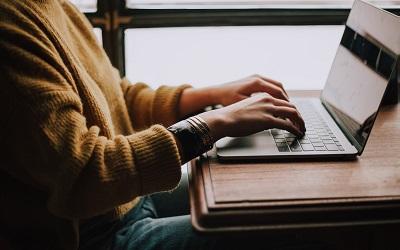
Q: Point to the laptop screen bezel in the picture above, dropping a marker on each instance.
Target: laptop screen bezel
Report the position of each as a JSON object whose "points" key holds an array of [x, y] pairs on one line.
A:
{"points": [[394, 75]]}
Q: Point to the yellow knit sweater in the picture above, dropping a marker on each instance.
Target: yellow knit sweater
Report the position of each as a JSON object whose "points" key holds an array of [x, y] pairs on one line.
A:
{"points": [[76, 140]]}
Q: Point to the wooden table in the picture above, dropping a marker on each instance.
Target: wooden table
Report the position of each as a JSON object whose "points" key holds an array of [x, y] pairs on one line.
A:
{"points": [[271, 196]]}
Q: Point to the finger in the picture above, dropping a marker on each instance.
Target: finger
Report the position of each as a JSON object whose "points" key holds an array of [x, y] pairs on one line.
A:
{"points": [[286, 125], [290, 113], [278, 102], [271, 89], [275, 82]]}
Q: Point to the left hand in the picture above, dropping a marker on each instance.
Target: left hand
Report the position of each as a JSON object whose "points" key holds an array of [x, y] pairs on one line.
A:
{"points": [[194, 100], [235, 91]]}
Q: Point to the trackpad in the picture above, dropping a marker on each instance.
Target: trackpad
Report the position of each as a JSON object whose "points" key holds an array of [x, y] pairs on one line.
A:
{"points": [[257, 144]]}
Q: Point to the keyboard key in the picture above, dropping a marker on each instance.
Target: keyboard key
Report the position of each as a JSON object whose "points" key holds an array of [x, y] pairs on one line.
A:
{"points": [[312, 140], [328, 141], [278, 136], [295, 147], [280, 140], [304, 141], [281, 144], [276, 132], [320, 148], [283, 149], [331, 147], [317, 144], [290, 135], [307, 147], [290, 140]]}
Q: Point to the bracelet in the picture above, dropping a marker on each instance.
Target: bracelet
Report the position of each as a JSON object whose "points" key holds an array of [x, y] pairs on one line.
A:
{"points": [[204, 131], [193, 135], [188, 138]]}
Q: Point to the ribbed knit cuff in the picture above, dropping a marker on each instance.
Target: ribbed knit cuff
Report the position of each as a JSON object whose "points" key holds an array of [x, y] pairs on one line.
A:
{"points": [[157, 159], [166, 104]]}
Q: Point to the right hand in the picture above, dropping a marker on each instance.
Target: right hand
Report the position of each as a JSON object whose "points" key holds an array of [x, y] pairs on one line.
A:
{"points": [[254, 114]]}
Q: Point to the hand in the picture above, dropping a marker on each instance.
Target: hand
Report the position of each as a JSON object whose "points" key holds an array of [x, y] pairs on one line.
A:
{"points": [[254, 114], [193, 100], [232, 92]]}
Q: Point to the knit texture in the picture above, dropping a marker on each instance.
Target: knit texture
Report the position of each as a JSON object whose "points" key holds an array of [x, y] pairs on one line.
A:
{"points": [[77, 141]]}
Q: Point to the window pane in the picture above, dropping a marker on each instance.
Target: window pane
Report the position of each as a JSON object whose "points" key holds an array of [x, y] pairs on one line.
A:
{"points": [[299, 56], [194, 4], [86, 5], [98, 33]]}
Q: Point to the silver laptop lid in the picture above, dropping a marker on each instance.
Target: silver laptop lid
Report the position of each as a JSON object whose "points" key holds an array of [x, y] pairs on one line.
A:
{"points": [[364, 63]]}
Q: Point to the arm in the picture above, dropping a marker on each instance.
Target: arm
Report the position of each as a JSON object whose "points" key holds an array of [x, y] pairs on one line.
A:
{"points": [[194, 100], [48, 143], [196, 135], [243, 113], [147, 106]]}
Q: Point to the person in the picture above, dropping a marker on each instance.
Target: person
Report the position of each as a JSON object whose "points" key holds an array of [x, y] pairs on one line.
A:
{"points": [[85, 154]]}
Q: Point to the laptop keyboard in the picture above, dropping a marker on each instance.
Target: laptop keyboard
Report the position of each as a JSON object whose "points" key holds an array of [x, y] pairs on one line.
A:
{"points": [[318, 136]]}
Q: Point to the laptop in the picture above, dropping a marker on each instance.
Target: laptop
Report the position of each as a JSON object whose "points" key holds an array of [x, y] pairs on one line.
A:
{"points": [[340, 121]]}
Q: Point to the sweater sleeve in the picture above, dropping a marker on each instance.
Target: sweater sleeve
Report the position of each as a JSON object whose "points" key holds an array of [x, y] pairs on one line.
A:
{"points": [[147, 106], [47, 142]]}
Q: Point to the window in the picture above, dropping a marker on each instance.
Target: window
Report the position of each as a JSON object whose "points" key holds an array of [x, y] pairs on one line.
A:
{"points": [[97, 32], [299, 56], [204, 42], [86, 5], [89, 6], [223, 4], [91, 10]]}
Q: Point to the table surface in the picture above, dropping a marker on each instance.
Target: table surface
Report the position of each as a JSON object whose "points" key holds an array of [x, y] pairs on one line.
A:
{"points": [[239, 188]]}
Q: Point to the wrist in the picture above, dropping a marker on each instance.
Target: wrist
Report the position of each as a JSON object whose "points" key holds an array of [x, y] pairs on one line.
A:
{"points": [[217, 123], [192, 137], [209, 95], [194, 100], [213, 94]]}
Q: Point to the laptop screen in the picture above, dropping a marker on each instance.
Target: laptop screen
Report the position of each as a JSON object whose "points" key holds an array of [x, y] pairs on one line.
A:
{"points": [[357, 83], [365, 62]]}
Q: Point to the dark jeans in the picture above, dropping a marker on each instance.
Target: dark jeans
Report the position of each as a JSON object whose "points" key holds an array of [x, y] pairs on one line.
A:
{"points": [[159, 221], [162, 221]]}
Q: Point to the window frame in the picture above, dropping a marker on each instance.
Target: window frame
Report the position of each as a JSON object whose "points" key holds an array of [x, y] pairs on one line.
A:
{"points": [[113, 17], [98, 20]]}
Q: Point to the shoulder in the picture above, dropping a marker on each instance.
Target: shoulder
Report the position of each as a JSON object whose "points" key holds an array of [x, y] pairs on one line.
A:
{"points": [[21, 28], [22, 11], [29, 55], [23, 7], [20, 14]]}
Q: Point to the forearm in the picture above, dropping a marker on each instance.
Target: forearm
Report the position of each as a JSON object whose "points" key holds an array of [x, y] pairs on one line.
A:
{"points": [[147, 106], [98, 173], [195, 100], [84, 172]]}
